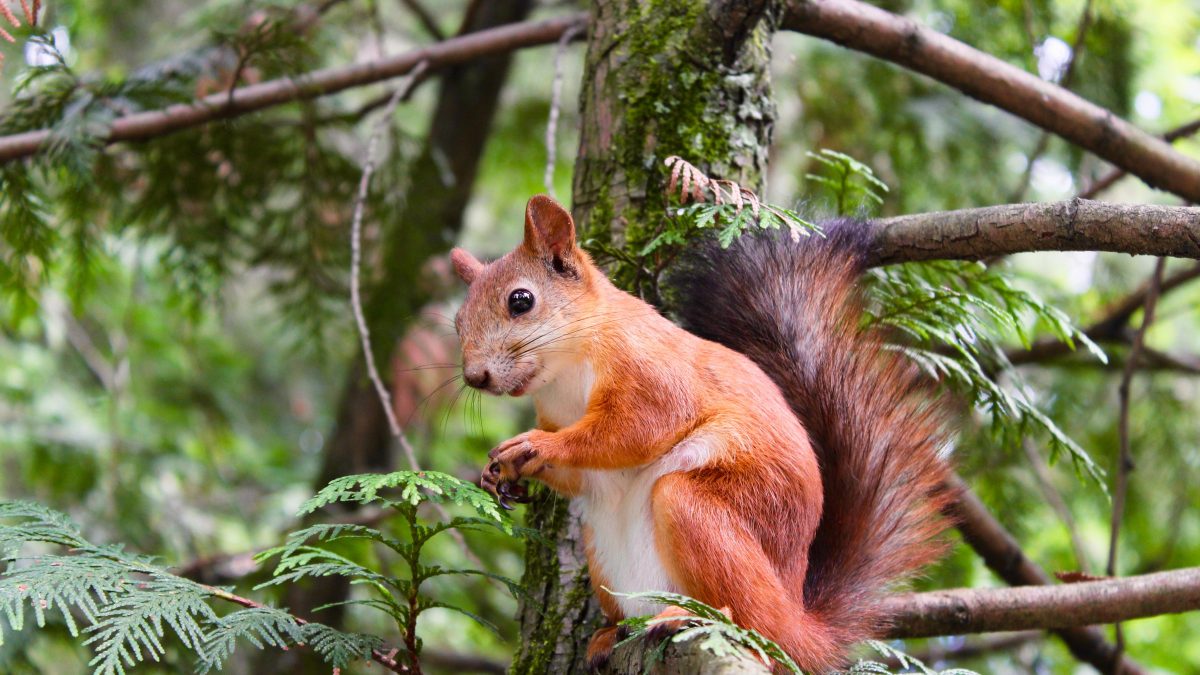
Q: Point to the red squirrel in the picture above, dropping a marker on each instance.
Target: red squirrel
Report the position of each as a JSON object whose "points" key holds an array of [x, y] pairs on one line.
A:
{"points": [[774, 461]]}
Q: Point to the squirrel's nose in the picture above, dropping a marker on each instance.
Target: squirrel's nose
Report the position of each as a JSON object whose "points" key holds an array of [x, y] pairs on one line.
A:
{"points": [[477, 377]]}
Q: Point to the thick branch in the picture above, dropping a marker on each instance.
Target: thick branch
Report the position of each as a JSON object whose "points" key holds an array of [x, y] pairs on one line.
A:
{"points": [[1075, 225], [986, 610], [868, 29], [153, 123]]}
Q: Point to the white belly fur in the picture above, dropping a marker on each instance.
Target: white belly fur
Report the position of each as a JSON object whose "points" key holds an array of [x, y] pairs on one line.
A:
{"points": [[616, 506]]}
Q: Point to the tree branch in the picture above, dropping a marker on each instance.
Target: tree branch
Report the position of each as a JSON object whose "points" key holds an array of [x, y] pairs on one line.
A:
{"points": [[986, 78], [1125, 464], [427, 21], [1108, 180], [1059, 607], [153, 123], [983, 646], [1003, 555], [986, 610], [1075, 225]]}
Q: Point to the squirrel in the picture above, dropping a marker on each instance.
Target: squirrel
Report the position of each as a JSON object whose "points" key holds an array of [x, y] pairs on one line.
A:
{"points": [[772, 460]]}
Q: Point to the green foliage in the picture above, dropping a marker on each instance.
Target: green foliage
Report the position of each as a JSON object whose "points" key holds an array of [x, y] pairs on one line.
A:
{"points": [[954, 318], [719, 208], [163, 249], [129, 605], [714, 631], [906, 663], [401, 492], [852, 183]]}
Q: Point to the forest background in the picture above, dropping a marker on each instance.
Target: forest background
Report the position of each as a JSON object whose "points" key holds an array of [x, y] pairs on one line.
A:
{"points": [[181, 367]]}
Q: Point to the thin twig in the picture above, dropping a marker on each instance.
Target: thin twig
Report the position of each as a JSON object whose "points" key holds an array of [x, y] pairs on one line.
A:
{"points": [[360, 202], [427, 21], [555, 103], [1001, 642], [1108, 180], [356, 304], [1125, 463], [1041, 473], [385, 659]]}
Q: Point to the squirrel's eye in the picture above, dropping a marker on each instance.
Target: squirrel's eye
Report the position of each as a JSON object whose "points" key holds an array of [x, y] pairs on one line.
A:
{"points": [[520, 301]]}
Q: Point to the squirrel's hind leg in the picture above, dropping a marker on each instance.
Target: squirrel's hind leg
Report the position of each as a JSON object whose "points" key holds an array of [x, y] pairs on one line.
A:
{"points": [[711, 553]]}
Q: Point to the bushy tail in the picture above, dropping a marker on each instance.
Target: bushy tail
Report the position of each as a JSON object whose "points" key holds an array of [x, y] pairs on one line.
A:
{"points": [[795, 309]]}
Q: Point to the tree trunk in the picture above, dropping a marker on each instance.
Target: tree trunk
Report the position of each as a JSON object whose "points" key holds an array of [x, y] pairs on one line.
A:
{"points": [[662, 78]]}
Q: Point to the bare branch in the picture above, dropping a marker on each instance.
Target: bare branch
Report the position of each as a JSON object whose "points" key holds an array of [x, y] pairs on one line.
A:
{"points": [[1003, 555], [153, 123], [427, 21], [1125, 463], [985, 610], [1058, 607], [1108, 180], [864, 28], [555, 103], [1075, 225], [360, 320], [982, 646]]}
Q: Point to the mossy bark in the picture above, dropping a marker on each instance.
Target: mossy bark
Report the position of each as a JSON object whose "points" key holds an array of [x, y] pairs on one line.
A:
{"points": [[662, 77]]}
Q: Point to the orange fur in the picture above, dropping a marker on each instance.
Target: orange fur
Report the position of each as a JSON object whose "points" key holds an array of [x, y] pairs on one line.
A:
{"points": [[690, 444]]}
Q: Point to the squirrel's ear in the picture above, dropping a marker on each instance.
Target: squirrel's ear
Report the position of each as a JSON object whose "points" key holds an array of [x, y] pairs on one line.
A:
{"points": [[465, 265], [550, 233]]}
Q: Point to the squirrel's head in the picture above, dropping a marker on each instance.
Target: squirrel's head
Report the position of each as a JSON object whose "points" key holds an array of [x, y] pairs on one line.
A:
{"points": [[526, 314]]}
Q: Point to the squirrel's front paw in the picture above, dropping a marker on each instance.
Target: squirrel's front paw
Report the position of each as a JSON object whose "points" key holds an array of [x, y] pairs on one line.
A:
{"points": [[511, 460]]}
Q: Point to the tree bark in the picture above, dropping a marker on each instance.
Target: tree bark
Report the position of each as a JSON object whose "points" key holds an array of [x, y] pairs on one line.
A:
{"points": [[988, 610], [1074, 225], [662, 77], [962, 611]]}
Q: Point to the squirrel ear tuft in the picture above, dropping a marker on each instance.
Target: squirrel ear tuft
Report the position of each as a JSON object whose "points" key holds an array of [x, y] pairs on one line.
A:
{"points": [[466, 265], [549, 230]]}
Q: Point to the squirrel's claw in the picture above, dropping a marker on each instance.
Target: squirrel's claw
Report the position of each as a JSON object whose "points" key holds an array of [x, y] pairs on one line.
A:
{"points": [[508, 492]]}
